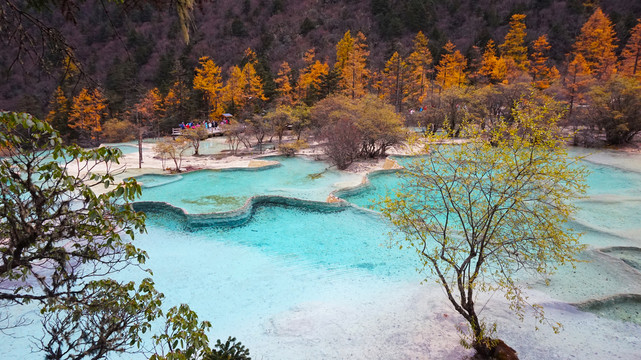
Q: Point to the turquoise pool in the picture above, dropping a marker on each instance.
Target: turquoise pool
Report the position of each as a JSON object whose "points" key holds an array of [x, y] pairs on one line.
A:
{"points": [[300, 279], [208, 191], [325, 284]]}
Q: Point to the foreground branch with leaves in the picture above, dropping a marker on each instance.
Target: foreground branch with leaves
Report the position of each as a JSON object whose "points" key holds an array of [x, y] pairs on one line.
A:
{"points": [[60, 241], [479, 212]]}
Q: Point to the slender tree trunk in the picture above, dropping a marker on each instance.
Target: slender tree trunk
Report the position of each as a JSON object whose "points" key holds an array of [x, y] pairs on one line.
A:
{"points": [[139, 141]]}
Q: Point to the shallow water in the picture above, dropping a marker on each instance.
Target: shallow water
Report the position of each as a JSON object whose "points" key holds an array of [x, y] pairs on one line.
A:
{"points": [[208, 191], [212, 146], [306, 282], [126, 148], [609, 215]]}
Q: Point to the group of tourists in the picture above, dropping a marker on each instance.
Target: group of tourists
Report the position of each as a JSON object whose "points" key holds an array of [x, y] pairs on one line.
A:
{"points": [[204, 124]]}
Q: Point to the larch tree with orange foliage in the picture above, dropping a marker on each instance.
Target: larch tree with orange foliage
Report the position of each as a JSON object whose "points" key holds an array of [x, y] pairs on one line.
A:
{"points": [[395, 78], [514, 48], [631, 55], [542, 73], [233, 91], [597, 44], [420, 70], [58, 114], [451, 69], [376, 83], [284, 85], [576, 81], [311, 77], [252, 83], [149, 110], [351, 61], [208, 79], [87, 113], [493, 68], [175, 99]]}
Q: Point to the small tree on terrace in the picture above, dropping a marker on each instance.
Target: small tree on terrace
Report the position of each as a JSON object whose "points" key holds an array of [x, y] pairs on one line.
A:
{"points": [[169, 148], [377, 125], [194, 136], [258, 127], [279, 120], [301, 119], [234, 132], [481, 211]]}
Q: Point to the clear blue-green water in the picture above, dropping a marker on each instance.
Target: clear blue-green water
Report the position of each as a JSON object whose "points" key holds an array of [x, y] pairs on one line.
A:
{"points": [[212, 146], [304, 281], [208, 191], [318, 258], [126, 148]]}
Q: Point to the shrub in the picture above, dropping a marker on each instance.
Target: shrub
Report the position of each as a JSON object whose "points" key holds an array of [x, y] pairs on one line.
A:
{"points": [[290, 149], [342, 142], [115, 130]]}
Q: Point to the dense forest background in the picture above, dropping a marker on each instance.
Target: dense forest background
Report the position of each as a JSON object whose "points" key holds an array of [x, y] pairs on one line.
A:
{"points": [[128, 50]]}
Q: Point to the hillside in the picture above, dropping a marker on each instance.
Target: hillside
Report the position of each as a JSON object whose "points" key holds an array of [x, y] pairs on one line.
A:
{"points": [[129, 50]]}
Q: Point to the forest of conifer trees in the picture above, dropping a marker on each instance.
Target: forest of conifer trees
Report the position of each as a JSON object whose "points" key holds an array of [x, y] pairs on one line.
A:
{"points": [[598, 82]]}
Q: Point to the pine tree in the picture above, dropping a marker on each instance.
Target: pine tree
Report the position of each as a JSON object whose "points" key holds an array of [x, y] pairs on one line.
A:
{"points": [[176, 97], [376, 83], [451, 69], [542, 74], [631, 56], [419, 61], [514, 47], [253, 85], [344, 49], [597, 44], [208, 79], [250, 57]]}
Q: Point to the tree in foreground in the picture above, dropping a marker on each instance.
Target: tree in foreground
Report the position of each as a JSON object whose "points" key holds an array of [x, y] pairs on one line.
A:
{"points": [[478, 213], [60, 243]]}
